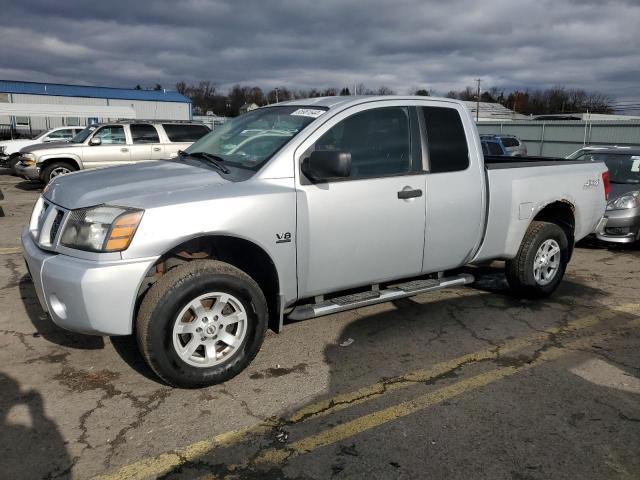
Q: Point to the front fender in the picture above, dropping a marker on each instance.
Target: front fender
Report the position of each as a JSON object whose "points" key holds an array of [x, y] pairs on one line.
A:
{"points": [[44, 159]]}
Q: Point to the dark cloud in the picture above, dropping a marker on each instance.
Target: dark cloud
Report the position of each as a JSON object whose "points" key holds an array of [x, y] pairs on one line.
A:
{"points": [[403, 44]]}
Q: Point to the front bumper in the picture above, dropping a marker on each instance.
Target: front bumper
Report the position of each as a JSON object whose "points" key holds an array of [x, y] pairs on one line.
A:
{"points": [[29, 173], [85, 296], [620, 226]]}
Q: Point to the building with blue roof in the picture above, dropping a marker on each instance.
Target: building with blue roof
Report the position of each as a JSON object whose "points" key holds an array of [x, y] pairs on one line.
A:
{"points": [[145, 104]]}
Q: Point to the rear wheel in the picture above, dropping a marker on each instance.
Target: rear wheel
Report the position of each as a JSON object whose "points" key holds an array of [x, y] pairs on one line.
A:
{"points": [[56, 169], [538, 268], [202, 323]]}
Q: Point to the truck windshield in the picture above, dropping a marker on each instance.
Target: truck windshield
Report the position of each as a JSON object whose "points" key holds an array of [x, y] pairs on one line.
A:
{"points": [[622, 168], [249, 140]]}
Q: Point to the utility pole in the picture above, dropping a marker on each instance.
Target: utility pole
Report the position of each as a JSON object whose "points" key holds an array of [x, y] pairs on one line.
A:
{"points": [[276, 94], [478, 101]]}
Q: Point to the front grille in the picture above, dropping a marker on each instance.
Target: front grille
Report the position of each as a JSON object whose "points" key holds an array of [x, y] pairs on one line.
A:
{"points": [[55, 226], [47, 227]]}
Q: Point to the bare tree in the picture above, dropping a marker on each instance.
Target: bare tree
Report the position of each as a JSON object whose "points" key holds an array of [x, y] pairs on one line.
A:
{"points": [[384, 90]]}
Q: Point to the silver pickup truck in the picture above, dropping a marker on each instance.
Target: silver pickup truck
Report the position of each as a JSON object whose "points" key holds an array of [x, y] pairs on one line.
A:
{"points": [[298, 210]]}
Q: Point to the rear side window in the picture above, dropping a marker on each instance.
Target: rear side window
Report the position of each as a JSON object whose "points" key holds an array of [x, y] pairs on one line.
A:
{"points": [[144, 133], [446, 140], [510, 142], [184, 133], [494, 148]]}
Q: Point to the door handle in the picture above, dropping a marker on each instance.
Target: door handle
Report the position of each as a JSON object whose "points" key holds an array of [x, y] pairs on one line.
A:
{"points": [[404, 194], [156, 149], [124, 149]]}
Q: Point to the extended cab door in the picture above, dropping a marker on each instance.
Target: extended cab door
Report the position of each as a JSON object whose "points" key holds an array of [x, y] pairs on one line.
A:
{"points": [[368, 227], [455, 187], [112, 150]]}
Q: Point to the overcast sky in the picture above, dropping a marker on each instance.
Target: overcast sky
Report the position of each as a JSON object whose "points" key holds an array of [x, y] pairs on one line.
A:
{"points": [[403, 44]]}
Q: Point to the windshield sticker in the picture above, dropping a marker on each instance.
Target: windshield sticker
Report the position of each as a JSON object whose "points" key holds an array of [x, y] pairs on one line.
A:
{"points": [[635, 166], [308, 112]]}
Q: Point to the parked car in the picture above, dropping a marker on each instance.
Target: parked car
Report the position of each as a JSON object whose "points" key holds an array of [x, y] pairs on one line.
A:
{"points": [[107, 145], [510, 143], [493, 147], [363, 201], [622, 218], [584, 151], [9, 149]]}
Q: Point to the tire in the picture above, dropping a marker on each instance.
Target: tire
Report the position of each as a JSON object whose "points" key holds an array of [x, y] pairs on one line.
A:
{"points": [[170, 301], [523, 277], [55, 169]]}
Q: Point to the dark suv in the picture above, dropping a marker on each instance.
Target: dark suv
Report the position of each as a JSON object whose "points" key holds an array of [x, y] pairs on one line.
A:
{"points": [[510, 143]]}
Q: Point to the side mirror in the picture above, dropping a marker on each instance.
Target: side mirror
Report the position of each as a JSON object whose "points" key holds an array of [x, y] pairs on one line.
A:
{"points": [[95, 141], [324, 165]]}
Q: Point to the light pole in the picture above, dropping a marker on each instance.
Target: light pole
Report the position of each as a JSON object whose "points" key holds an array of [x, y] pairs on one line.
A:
{"points": [[276, 94], [478, 101]]}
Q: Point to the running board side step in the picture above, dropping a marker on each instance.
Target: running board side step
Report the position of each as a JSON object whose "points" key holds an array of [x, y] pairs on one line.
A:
{"points": [[394, 292]]}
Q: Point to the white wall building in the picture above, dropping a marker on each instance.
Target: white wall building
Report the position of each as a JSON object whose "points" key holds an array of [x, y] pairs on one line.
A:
{"points": [[146, 104]]}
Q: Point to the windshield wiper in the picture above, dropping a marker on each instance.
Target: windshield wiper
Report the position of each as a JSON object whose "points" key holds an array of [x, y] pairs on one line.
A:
{"points": [[213, 160]]}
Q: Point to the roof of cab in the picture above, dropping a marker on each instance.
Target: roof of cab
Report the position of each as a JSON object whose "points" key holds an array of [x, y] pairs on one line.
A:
{"points": [[344, 101]]}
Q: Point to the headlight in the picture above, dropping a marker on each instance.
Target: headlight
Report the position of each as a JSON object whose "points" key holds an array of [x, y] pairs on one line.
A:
{"points": [[101, 229], [631, 200], [28, 159]]}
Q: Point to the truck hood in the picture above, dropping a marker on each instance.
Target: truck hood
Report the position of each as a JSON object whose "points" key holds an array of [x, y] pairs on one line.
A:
{"points": [[141, 185], [49, 145]]}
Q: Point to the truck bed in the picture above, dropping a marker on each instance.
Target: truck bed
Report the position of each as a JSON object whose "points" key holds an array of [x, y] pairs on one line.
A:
{"points": [[515, 196]]}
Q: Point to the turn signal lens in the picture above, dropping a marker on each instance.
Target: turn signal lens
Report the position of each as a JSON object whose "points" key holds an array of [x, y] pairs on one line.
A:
{"points": [[122, 232]]}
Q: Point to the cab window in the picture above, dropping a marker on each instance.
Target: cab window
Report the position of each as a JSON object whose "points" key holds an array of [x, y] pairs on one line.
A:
{"points": [[111, 135], [379, 141]]}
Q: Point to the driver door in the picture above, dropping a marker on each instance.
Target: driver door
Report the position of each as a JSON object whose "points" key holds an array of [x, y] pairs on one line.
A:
{"points": [[112, 150], [363, 229]]}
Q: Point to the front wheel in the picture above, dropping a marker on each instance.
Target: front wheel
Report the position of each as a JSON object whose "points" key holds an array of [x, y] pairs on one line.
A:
{"points": [[202, 323], [538, 268], [56, 169]]}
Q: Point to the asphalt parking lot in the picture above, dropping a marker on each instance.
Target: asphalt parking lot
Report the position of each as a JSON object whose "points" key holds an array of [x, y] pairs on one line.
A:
{"points": [[465, 383]]}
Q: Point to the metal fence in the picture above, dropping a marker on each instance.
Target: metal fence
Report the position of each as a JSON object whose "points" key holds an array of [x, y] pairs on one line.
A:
{"points": [[560, 138]]}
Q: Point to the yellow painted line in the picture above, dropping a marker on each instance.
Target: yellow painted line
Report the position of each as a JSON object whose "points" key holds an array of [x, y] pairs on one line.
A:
{"points": [[163, 463], [10, 250], [400, 410], [155, 466]]}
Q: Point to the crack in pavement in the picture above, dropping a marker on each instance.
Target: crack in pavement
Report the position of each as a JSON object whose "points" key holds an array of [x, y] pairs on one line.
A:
{"points": [[21, 336], [244, 405], [144, 407], [620, 413]]}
